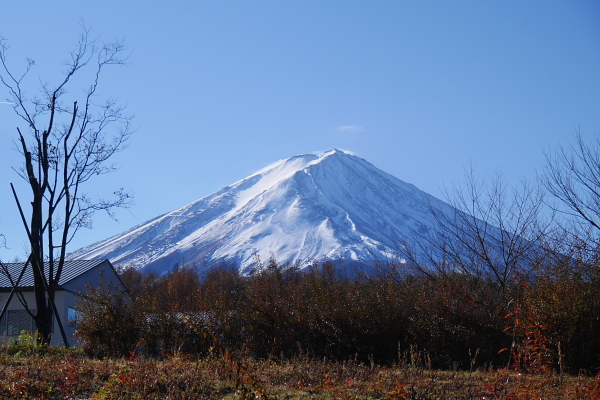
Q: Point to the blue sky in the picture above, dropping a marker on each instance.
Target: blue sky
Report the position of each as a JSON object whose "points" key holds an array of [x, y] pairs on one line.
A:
{"points": [[220, 89]]}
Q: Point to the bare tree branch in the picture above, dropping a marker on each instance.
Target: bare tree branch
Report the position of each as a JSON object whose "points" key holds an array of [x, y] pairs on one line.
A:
{"points": [[572, 176], [491, 230]]}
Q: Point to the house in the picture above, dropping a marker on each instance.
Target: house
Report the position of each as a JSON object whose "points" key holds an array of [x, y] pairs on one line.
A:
{"points": [[76, 276]]}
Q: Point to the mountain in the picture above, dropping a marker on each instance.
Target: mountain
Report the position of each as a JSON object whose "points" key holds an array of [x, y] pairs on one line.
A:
{"points": [[330, 206]]}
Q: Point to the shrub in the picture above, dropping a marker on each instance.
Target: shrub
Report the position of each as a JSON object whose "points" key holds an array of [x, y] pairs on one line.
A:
{"points": [[109, 324], [26, 344], [443, 319]]}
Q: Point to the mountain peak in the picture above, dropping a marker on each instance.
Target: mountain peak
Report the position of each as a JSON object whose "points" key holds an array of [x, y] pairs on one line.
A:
{"points": [[326, 206], [338, 151]]}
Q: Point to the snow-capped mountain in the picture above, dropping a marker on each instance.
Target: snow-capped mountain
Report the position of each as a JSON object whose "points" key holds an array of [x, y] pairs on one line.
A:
{"points": [[331, 206]]}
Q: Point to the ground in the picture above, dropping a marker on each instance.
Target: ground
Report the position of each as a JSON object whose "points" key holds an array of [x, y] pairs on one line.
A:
{"points": [[74, 376]]}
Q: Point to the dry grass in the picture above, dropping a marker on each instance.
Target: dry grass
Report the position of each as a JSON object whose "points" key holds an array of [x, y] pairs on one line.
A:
{"points": [[61, 377]]}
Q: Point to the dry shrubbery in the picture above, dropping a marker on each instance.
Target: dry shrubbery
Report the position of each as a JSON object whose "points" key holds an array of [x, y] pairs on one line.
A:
{"points": [[319, 334], [565, 301], [446, 321]]}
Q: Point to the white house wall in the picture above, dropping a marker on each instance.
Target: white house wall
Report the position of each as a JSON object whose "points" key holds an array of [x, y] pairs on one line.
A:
{"points": [[61, 305]]}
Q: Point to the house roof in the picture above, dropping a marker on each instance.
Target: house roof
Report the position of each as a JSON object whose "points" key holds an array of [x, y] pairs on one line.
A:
{"points": [[71, 270]]}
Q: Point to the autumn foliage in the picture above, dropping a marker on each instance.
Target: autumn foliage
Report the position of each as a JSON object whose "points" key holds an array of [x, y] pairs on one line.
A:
{"points": [[446, 321]]}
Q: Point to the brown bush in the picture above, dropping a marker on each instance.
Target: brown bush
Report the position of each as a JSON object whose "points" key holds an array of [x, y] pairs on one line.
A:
{"points": [[443, 319], [109, 324]]}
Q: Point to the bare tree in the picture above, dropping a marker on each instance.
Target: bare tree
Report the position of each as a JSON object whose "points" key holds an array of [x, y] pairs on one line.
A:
{"points": [[491, 231], [572, 176], [64, 145]]}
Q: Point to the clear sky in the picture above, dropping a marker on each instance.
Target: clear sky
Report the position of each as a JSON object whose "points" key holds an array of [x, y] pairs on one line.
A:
{"points": [[220, 89]]}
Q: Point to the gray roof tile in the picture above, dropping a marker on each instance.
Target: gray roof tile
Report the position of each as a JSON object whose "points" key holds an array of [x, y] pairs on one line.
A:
{"points": [[71, 270]]}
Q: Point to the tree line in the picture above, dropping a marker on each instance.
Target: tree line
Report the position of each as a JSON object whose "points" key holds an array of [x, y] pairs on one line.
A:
{"points": [[441, 320]]}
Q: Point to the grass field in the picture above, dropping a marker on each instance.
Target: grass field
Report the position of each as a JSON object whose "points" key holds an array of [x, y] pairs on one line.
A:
{"points": [[75, 376]]}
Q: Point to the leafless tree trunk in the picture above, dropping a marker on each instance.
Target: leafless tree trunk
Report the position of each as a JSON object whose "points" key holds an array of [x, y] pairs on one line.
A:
{"points": [[63, 147]]}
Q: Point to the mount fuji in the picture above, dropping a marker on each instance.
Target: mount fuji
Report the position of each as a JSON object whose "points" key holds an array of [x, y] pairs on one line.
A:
{"points": [[313, 207]]}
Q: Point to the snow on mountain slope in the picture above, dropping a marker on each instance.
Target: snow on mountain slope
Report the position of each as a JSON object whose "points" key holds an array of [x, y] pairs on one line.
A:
{"points": [[333, 206]]}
